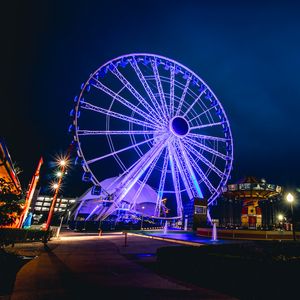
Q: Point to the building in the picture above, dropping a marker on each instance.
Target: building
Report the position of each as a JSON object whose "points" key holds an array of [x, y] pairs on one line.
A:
{"points": [[41, 205], [9, 182], [249, 203]]}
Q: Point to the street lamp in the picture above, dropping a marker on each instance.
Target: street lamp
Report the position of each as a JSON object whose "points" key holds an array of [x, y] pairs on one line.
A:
{"points": [[58, 174], [63, 164], [290, 199], [280, 218], [142, 220], [54, 186]]}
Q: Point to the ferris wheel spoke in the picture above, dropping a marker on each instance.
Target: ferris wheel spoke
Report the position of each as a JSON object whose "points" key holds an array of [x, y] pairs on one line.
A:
{"points": [[88, 106], [148, 90], [115, 181], [203, 113], [208, 149], [134, 92], [92, 212], [145, 179], [199, 171], [119, 151], [115, 132], [159, 88], [183, 95], [161, 184], [207, 137], [172, 87], [99, 85], [207, 125], [186, 169], [133, 176], [176, 183], [204, 160], [192, 105], [184, 177]]}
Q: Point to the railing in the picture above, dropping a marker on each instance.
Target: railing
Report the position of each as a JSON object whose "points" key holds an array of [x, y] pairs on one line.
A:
{"points": [[248, 234], [10, 236]]}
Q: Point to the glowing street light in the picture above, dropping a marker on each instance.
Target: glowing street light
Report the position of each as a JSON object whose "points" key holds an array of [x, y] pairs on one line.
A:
{"points": [[290, 199], [280, 217], [62, 163], [55, 186], [59, 174], [142, 219]]}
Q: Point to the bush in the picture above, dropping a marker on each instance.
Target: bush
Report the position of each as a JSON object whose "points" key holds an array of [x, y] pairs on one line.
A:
{"points": [[254, 270]]}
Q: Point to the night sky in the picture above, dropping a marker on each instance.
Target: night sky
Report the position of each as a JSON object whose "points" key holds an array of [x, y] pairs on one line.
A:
{"points": [[249, 54]]}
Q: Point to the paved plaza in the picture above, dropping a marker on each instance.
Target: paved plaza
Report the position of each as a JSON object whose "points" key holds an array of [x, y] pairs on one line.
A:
{"points": [[85, 265]]}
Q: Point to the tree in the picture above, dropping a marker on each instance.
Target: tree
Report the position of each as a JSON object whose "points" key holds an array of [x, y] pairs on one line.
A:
{"points": [[10, 205]]}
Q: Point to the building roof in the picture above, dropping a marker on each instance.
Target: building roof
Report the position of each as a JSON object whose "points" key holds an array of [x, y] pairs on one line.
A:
{"points": [[7, 172], [145, 202]]}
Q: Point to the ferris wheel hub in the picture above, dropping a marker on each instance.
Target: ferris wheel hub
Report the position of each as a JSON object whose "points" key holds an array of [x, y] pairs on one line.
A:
{"points": [[179, 126]]}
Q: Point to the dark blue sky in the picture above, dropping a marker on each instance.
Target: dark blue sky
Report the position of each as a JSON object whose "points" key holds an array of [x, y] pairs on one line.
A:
{"points": [[249, 54]]}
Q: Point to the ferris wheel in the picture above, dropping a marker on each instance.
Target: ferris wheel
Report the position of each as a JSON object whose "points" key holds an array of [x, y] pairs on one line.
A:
{"points": [[152, 121]]}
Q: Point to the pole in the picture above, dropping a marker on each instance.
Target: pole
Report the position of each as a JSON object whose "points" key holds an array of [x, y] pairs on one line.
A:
{"points": [[125, 241], [62, 170], [142, 220], [293, 222], [59, 228], [54, 200]]}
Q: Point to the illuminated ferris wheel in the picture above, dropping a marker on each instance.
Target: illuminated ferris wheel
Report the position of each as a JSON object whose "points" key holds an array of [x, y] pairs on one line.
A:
{"points": [[152, 121]]}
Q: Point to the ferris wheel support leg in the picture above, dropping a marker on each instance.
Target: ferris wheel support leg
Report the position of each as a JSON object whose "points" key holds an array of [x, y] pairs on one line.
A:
{"points": [[191, 174], [133, 176], [144, 181], [161, 185], [175, 182], [92, 212]]}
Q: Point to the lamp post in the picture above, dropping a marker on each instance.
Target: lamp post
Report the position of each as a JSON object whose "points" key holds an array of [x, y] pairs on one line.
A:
{"points": [[290, 199], [142, 220], [280, 218], [62, 163]]}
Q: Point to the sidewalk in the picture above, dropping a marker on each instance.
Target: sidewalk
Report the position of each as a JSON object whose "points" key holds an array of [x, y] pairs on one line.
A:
{"points": [[88, 266]]}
